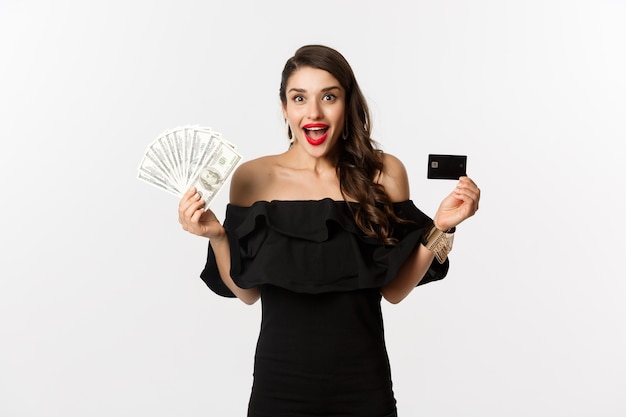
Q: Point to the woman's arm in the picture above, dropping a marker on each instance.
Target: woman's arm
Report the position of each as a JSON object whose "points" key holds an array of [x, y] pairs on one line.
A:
{"points": [[409, 275], [396, 182], [196, 220], [460, 204]]}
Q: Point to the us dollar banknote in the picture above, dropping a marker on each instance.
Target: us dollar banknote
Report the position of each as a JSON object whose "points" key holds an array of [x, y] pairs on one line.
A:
{"points": [[189, 156]]}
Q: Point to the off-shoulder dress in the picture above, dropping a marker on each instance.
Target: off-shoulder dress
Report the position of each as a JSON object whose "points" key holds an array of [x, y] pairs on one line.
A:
{"points": [[321, 348]]}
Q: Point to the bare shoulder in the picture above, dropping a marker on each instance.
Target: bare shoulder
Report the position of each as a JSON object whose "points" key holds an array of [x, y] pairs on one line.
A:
{"points": [[249, 178], [394, 178]]}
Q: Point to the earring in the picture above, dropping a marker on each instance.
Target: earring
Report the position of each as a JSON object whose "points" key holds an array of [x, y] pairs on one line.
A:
{"points": [[344, 134], [289, 134]]}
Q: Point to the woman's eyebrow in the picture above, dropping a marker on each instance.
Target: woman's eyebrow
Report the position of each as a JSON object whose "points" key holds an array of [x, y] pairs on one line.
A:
{"points": [[325, 89]]}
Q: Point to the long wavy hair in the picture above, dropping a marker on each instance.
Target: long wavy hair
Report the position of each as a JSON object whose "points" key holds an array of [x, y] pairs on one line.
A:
{"points": [[359, 160]]}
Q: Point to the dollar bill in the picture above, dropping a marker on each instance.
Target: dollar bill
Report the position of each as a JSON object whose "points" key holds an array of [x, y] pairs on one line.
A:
{"points": [[189, 156], [218, 168]]}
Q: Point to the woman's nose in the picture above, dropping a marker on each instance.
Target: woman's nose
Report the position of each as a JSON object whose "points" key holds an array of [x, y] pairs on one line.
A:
{"points": [[314, 111]]}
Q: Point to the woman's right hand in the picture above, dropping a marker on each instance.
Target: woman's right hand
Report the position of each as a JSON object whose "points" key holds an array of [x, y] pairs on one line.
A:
{"points": [[194, 219]]}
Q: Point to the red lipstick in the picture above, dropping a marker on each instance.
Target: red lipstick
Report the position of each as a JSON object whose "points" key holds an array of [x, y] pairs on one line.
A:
{"points": [[315, 133]]}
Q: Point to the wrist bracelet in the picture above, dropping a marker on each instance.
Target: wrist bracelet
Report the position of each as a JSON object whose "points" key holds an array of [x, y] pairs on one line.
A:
{"points": [[438, 241]]}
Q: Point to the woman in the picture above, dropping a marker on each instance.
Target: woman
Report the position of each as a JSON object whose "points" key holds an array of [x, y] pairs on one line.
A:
{"points": [[321, 233]]}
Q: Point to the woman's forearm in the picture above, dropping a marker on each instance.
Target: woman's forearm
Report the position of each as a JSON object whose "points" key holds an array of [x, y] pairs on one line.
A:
{"points": [[410, 274], [221, 249]]}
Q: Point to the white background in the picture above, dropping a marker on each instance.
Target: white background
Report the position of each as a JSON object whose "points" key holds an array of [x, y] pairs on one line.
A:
{"points": [[102, 311]]}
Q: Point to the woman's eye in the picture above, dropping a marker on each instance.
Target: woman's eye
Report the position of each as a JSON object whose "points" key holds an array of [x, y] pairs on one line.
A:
{"points": [[298, 99], [329, 97]]}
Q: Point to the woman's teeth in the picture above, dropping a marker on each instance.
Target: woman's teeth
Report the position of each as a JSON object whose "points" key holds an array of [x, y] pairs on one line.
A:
{"points": [[315, 132]]}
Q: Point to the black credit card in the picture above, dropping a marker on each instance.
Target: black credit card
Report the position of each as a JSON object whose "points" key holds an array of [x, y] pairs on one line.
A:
{"points": [[446, 167]]}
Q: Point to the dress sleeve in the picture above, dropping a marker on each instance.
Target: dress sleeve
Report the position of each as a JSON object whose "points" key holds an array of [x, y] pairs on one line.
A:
{"points": [[411, 232], [409, 236], [211, 276]]}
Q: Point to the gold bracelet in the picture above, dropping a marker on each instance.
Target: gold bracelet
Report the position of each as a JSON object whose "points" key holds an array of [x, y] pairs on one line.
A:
{"points": [[438, 241]]}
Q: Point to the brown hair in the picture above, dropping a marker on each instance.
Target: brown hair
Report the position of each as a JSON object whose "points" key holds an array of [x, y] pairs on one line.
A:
{"points": [[359, 160]]}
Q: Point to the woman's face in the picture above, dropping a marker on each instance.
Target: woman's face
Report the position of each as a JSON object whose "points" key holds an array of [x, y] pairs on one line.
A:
{"points": [[314, 109]]}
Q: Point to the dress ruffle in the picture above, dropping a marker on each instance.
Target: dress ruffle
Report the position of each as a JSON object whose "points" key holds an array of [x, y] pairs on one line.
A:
{"points": [[314, 247]]}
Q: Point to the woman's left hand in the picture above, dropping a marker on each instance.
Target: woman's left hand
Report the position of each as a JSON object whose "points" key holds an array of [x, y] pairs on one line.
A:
{"points": [[459, 205]]}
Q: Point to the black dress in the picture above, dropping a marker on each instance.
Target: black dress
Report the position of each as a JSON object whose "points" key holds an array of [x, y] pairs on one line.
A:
{"points": [[321, 348]]}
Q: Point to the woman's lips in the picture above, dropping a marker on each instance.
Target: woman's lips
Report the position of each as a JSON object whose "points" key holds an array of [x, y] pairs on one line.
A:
{"points": [[316, 133]]}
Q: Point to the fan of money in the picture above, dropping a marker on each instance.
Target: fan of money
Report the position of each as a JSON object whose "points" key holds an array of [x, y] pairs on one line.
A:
{"points": [[189, 156]]}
